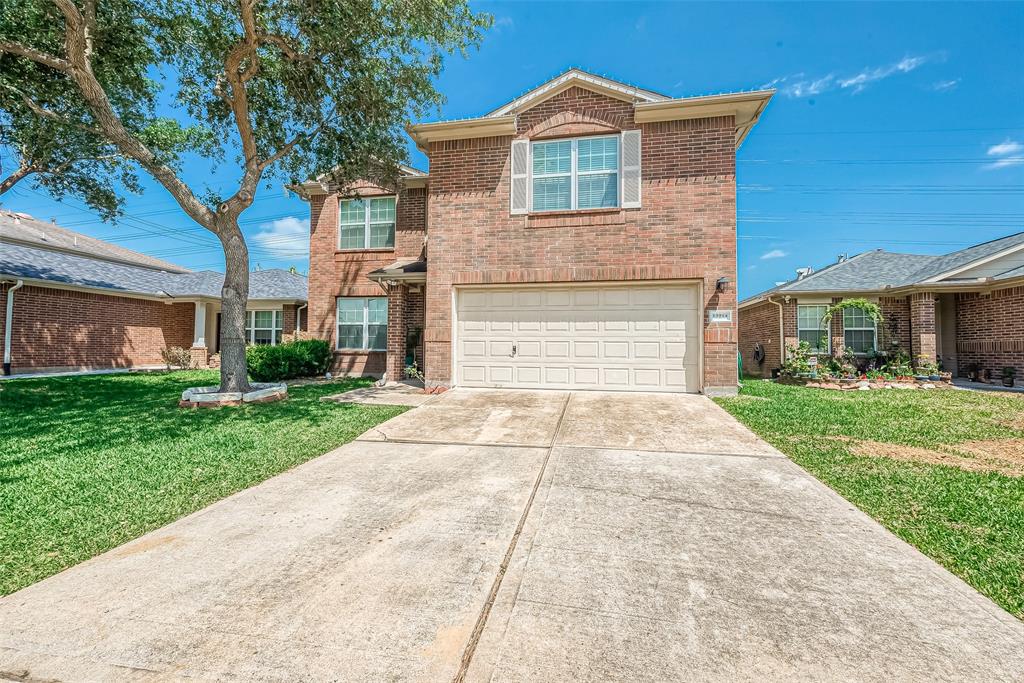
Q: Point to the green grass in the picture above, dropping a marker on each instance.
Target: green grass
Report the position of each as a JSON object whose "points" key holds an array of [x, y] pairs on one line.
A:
{"points": [[970, 522], [87, 463]]}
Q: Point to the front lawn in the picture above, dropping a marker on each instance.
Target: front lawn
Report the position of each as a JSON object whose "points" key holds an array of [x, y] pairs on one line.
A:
{"points": [[942, 469], [88, 463]]}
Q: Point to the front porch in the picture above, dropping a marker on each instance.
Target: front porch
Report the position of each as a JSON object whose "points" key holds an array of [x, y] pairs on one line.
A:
{"points": [[404, 282], [267, 322]]}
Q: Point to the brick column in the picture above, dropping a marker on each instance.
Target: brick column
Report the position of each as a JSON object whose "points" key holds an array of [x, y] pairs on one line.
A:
{"points": [[395, 366], [922, 326]]}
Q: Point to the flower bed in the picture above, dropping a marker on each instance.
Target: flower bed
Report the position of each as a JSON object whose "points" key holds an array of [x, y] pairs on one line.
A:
{"points": [[865, 384]]}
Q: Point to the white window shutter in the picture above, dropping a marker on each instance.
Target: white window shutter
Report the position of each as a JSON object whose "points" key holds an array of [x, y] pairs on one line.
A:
{"points": [[631, 169], [520, 176]]}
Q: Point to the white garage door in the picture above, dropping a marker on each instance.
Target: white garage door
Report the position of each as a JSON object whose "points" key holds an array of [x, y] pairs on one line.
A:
{"points": [[629, 337]]}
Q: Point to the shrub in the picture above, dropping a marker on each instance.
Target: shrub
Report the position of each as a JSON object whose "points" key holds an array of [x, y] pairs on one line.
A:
{"points": [[306, 358], [176, 357], [798, 360]]}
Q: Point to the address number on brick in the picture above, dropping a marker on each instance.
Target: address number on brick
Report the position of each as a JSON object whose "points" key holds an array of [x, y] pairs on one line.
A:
{"points": [[720, 316]]}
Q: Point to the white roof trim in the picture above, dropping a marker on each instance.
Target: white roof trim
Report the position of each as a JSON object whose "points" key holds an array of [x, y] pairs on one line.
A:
{"points": [[974, 264], [584, 79]]}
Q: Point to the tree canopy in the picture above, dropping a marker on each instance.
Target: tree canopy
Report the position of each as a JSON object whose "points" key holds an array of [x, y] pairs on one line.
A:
{"points": [[286, 89]]}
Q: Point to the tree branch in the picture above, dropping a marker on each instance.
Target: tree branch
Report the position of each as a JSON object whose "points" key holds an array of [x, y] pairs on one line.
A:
{"points": [[22, 172], [37, 56], [80, 70], [45, 113]]}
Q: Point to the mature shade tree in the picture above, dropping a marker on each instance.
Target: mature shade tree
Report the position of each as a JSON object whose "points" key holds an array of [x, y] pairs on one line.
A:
{"points": [[62, 160], [273, 88]]}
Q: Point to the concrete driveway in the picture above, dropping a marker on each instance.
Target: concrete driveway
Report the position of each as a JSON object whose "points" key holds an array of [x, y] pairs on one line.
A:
{"points": [[519, 536]]}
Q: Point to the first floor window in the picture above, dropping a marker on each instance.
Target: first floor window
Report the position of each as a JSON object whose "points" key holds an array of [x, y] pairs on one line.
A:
{"points": [[363, 323], [366, 223], [811, 327], [858, 330], [263, 327], [576, 174]]}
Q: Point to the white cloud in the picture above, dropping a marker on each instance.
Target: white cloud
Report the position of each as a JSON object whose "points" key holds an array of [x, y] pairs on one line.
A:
{"points": [[1009, 153], [774, 253], [285, 238], [1005, 148], [943, 86], [504, 23], [800, 85]]}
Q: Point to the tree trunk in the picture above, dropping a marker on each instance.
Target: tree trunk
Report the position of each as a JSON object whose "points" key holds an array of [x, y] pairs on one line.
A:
{"points": [[233, 297]]}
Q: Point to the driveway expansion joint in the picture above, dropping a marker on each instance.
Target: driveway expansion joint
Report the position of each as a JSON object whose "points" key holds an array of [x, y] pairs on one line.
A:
{"points": [[485, 611]]}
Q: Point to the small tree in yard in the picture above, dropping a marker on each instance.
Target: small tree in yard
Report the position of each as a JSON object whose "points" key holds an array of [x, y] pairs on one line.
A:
{"points": [[284, 88]]}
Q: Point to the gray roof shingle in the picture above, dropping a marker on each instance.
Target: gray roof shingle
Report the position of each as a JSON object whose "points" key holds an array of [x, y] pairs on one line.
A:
{"points": [[18, 260], [876, 270], [24, 229]]}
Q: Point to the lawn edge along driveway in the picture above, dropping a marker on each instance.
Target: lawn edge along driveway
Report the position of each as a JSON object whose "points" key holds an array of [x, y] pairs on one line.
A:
{"points": [[91, 462], [924, 464]]}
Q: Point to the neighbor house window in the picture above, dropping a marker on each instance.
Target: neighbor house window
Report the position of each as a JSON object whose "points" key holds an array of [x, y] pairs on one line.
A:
{"points": [[366, 223], [811, 328], [858, 330], [263, 327], [363, 323], [576, 174]]}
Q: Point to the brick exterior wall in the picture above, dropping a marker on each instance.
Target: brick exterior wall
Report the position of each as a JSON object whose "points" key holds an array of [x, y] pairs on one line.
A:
{"points": [[759, 324], [336, 273], [58, 329], [990, 331], [922, 327], [686, 228]]}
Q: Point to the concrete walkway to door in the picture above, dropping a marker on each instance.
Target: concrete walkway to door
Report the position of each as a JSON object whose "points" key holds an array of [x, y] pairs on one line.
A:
{"points": [[519, 536]]}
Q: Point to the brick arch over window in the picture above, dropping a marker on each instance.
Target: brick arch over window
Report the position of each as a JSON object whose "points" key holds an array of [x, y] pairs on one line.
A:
{"points": [[573, 123]]}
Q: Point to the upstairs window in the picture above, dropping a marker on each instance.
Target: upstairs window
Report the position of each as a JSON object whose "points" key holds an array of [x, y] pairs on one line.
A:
{"points": [[811, 328], [859, 330], [366, 223], [575, 174]]}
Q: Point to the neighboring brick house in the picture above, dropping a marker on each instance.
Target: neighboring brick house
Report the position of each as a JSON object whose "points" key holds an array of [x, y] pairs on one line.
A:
{"points": [[72, 302], [960, 309], [582, 236]]}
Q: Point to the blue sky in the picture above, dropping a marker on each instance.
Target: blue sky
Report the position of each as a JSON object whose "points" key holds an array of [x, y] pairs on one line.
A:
{"points": [[896, 126]]}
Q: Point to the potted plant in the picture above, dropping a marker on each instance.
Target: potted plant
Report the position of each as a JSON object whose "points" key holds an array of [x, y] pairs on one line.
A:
{"points": [[1008, 374]]}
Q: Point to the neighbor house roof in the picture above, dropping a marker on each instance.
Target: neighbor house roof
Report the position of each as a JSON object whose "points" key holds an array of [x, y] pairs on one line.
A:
{"points": [[879, 270], [75, 269], [21, 228], [649, 107]]}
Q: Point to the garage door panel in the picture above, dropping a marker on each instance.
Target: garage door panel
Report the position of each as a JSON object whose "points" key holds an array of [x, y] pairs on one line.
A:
{"points": [[528, 349], [626, 337]]}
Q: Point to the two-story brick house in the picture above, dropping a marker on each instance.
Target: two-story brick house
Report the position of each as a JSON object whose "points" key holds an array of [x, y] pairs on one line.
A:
{"points": [[582, 236]]}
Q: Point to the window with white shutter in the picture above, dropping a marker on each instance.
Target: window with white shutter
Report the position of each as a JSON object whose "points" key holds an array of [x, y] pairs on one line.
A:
{"points": [[576, 173], [520, 201], [631, 169]]}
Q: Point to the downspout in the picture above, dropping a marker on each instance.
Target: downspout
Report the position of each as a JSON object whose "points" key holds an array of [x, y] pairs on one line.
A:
{"points": [[7, 325], [298, 318], [782, 333]]}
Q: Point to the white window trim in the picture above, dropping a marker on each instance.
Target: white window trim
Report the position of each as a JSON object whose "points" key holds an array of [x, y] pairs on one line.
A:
{"points": [[366, 324], [366, 222], [277, 322], [874, 338], [828, 328], [574, 173]]}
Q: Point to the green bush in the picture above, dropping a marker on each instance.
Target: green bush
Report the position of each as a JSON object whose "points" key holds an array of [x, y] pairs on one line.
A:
{"points": [[306, 358]]}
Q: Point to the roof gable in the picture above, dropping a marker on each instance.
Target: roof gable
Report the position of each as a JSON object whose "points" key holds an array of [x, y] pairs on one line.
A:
{"points": [[988, 259], [577, 77]]}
